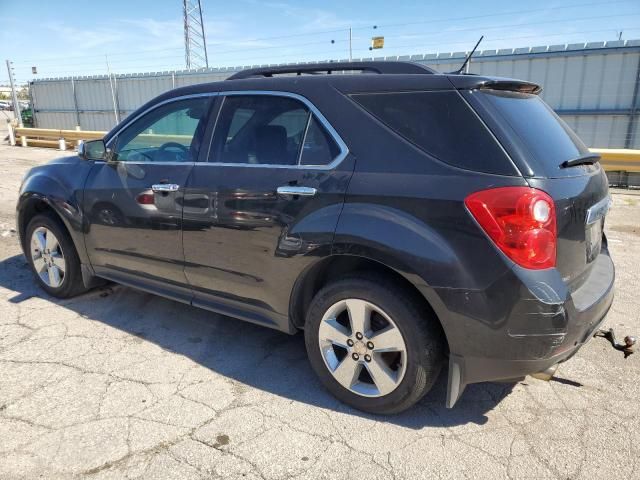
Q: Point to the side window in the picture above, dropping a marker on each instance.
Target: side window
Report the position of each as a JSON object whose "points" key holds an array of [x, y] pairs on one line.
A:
{"points": [[240, 117], [259, 129], [294, 122], [319, 147], [169, 133], [441, 124]]}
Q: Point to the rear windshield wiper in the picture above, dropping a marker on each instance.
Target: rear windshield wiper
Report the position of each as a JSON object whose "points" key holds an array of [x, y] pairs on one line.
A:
{"points": [[584, 159]]}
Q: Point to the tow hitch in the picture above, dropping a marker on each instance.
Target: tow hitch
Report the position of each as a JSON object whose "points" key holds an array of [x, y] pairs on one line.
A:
{"points": [[628, 347]]}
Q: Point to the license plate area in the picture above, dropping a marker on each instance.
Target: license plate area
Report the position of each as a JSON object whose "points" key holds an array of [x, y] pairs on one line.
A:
{"points": [[594, 225], [593, 238]]}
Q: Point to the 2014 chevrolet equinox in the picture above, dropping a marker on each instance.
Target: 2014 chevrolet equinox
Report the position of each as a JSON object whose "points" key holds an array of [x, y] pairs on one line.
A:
{"points": [[400, 217]]}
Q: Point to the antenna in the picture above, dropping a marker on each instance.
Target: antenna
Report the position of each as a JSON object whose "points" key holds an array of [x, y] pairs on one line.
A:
{"points": [[195, 44], [466, 60]]}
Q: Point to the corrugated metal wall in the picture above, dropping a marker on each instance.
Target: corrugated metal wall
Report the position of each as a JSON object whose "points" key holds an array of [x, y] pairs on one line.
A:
{"points": [[593, 86]]}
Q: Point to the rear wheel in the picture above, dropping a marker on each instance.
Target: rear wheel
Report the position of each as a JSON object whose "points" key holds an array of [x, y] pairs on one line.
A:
{"points": [[371, 344], [53, 257]]}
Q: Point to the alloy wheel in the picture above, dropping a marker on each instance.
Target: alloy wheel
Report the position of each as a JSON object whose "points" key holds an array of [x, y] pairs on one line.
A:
{"points": [[47, 257], [362, 347]]}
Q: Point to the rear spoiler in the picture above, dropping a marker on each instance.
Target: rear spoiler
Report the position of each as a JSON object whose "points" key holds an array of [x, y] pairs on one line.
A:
{"points": [[470, 82]]}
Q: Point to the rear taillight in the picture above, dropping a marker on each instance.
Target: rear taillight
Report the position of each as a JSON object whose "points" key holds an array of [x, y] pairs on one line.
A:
{"points": [[521, 221]]}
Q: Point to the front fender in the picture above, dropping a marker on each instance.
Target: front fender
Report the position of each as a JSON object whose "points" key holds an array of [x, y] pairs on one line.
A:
{"points": [[60, 189]]}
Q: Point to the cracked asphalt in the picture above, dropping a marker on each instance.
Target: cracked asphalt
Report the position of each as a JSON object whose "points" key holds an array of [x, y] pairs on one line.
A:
{"points": [[118, 384]]}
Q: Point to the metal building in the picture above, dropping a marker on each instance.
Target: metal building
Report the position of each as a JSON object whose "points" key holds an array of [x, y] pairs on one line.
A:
{"points": [[593, 86]]}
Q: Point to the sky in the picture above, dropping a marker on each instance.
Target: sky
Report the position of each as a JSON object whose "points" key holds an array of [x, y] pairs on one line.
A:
{"points": [[126, 36]]}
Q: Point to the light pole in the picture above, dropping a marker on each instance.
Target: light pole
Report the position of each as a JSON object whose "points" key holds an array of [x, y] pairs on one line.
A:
{"points": [[14, 96]]}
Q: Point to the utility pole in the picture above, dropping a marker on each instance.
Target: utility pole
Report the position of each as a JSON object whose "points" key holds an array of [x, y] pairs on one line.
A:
{"points": [[195, 43], [350, 49], [14, 95]]}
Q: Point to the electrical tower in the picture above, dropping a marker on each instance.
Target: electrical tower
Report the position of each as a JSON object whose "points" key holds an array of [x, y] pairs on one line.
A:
{"points": [[195, 44]]}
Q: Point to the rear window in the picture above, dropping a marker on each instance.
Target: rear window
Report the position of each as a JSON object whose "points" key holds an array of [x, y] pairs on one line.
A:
{"points": [[443, 125], [546, 138]]}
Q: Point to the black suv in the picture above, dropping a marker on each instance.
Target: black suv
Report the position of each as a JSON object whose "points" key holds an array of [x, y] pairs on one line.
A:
{"points": [[400, 217]]}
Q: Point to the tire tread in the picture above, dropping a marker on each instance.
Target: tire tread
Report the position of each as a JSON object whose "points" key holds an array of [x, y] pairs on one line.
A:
{"points": [[424, 326], [74, 286]]}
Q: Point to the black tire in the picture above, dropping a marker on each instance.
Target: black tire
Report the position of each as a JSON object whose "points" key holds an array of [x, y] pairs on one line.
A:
{"points": [[72, 281], [420, 330]]}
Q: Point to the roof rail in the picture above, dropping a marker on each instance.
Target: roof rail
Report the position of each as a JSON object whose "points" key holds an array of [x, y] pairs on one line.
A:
{"points": [[382, 67]]}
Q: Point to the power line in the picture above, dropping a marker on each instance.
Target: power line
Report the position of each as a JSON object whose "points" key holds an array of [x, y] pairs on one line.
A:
{"points": [[519, 37], [179, 55], [320, 32], [95, 64], [242, 59], [416, 34], [545, 22], [519, 12]]}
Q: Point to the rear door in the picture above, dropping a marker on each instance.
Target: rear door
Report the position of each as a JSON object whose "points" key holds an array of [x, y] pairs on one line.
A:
{"points": [[266, 202], [540, 143], [133, 202]]}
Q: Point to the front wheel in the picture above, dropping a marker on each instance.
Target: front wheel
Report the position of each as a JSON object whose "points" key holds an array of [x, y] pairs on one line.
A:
{"points": [[371, 344], [53, 257]]}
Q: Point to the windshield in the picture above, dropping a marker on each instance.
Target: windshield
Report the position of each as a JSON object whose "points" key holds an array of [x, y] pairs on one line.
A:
{"points": [[544, 139]]}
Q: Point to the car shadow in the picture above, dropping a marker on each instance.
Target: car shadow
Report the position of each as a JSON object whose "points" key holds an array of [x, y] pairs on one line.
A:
{"points": [[258, 357]]}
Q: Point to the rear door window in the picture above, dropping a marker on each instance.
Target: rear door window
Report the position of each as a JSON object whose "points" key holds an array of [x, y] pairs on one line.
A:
{"points": [[259, 129], [442, 124], [319, 147], [547, 141], [270, 130]]}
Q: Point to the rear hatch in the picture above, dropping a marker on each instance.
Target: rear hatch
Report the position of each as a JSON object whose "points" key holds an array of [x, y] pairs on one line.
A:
{"points": [[553, 159]]}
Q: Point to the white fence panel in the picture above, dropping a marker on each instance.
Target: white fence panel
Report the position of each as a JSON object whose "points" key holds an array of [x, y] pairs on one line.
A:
{"points": [[594, 87]]}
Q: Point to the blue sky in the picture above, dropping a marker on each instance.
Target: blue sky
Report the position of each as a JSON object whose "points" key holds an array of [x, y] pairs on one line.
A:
{"points": [[73, 37]]}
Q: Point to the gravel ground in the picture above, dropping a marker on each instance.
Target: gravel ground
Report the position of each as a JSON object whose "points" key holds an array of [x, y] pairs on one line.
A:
{"points": [[122, 384]]}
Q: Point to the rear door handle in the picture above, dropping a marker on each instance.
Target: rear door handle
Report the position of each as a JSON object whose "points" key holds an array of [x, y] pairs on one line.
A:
{"points": [[294, 190], [165, 187]]}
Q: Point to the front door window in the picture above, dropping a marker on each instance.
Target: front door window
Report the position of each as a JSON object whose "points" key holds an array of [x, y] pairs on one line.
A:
{"points": [[169, 133]]}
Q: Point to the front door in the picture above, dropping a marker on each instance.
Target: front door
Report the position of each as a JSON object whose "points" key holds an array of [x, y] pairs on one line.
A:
{"points": [[133, 202], [263, 206]]}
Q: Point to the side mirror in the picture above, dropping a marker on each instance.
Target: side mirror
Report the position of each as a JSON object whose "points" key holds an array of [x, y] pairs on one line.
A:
{"points": [[92, 150]]}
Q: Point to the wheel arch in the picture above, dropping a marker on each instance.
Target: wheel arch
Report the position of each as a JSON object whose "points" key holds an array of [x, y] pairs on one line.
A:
{"points": [[32, 204], [316, 276]]}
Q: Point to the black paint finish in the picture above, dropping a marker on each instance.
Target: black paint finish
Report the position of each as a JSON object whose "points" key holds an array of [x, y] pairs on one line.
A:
{"points": [[226, 241], [124, 234], [245, 245], [57, 185]]}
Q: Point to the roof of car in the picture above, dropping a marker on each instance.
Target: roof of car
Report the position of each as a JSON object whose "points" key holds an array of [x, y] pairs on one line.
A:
{"points": [[314, 80], [353, 76], [319, 81], [375, 67]]}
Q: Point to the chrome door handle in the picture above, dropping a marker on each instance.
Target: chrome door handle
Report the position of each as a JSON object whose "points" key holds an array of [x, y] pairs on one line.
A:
{"points": [[293, 190], [165, 187]]}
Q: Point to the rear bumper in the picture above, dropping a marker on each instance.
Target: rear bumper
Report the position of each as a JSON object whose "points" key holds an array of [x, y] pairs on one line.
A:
{"points": [[544, 324], [466, 370]]}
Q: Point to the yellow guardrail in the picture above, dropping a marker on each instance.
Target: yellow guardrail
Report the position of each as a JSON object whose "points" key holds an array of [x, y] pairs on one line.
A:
{"points": [[155, 139], [52, 138], [613, 160], [49, 137], [618, 159]]}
